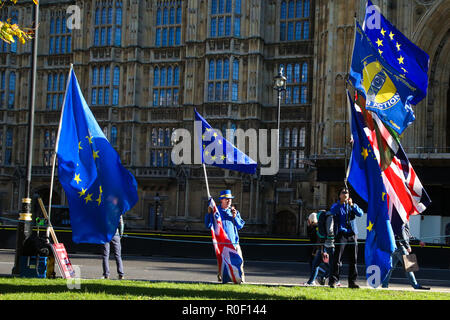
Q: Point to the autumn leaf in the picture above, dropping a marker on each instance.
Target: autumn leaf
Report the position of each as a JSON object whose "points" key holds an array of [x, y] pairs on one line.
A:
{"points": [[10, 31]]}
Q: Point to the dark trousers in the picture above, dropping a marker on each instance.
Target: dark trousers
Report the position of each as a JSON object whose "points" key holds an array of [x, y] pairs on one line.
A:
{"points": [[318, 261], [115, 243], [345, 242]]}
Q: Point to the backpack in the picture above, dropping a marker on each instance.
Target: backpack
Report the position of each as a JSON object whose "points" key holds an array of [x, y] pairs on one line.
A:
{"points": [[321, 228]]}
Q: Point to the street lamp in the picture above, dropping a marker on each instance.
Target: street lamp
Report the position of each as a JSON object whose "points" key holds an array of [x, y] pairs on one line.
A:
{"points": [[279, 84], [24, 227]]}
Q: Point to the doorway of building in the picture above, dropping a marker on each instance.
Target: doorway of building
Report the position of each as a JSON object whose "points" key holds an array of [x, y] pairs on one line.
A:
{"points": [[285, 223]]}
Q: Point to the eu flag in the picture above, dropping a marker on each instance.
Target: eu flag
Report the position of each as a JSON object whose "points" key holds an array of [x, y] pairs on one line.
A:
{"points": [[387, 92], [402, 54], [217, 151], [365, 177], [98, 188]]}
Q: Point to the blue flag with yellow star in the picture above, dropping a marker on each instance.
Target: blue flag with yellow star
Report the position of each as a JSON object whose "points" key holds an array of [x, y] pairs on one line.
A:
{"points": [[217, 151], [402, 54], [365, 178], [98, 188], [386, 91]]}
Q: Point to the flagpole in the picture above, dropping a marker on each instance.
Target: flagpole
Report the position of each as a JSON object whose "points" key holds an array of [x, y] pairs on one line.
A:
{"points": [[347, 165], [351, 154], [56, 150], [206, 180]]}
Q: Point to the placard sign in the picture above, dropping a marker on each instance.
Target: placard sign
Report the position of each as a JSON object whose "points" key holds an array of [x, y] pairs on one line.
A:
{"points": [[64, 264]]}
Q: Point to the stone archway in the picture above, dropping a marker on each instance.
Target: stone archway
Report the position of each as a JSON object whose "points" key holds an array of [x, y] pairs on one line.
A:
{"points": [[285, 223], [433, 36]]}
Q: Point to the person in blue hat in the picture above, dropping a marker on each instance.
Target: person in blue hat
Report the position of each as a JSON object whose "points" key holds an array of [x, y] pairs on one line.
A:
{"points": [[231, 222]]}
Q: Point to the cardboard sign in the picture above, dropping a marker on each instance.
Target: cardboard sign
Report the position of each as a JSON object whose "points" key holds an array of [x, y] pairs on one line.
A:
{"points": [[60, 253]]}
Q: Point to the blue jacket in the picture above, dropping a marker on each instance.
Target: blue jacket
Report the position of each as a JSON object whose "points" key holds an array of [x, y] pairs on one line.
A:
{"points": [[343, 213], [230, 225]]}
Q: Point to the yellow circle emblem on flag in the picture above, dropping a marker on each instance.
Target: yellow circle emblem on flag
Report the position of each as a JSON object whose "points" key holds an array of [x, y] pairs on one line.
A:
{"points": [[379, 87]]}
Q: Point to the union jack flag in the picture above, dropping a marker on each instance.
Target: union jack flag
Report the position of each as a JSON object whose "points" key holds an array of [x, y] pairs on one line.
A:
{"points": [[406, 195], [228, 258]]}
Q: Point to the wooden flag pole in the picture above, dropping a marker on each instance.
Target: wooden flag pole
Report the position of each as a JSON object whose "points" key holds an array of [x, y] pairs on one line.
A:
{"points": [[56, 150], [50, 227], [206, 180]]}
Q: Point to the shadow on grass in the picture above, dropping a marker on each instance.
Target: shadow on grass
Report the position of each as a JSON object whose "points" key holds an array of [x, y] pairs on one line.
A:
{"points": [[137, 291]]}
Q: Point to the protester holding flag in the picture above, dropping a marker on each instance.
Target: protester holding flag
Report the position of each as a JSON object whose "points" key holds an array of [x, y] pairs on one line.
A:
{"points": [[225, 221], [231, 222], [344, 212]]}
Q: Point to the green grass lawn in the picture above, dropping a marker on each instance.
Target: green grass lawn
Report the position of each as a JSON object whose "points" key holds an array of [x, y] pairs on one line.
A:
{"points": [[57, 289]]}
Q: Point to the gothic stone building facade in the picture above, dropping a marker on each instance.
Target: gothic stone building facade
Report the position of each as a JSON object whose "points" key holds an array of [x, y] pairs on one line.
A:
{"points": [[143, 67]]}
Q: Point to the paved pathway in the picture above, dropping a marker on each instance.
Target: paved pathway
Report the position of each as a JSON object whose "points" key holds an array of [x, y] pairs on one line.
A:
{"points": [[204, 270]]}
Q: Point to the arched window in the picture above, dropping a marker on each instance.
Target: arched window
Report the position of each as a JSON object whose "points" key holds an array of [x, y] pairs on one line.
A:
{"points": [[12, 90], [169, 76], [306, 9], [304, 72], [116, 81], [294, 137], [167, 138], [294, 15], [298, 7], [94, 76], [119, 15], [304, 94], [226, 69], [160, 137], [286, 160], [301, 157], [235, 69], [105, 132], [178, 15], [293, 163], [302, 137], [306, 30], [218, 79], [9, 145], [166, 158], [156, 77], [165, 15], [52, 25], [97, 16], [158, 17], [223, 16], [219, 69], [108, 24], [103, 21], [211, 70], [165, 91], [291, 9], [116, 76], [113, 139], [287, 137], [289, 73], [154, 137], [110, 15], [283, 10], [153, 158], [176, 76]]}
